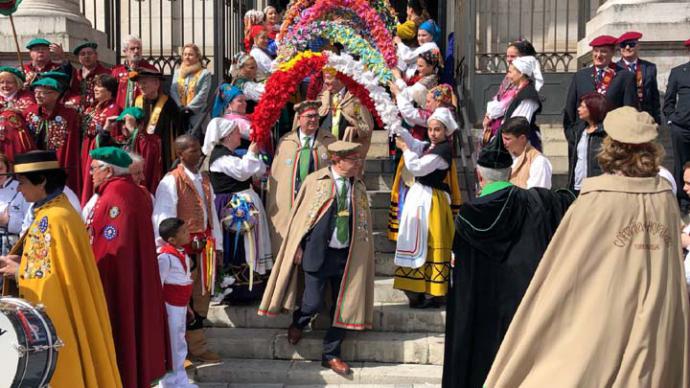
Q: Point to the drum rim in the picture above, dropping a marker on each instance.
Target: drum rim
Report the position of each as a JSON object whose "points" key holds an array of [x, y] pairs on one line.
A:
{"points": [[50, 329], [23, 361]]}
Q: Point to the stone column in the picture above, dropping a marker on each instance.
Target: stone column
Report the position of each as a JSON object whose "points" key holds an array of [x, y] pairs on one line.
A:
{"points": [[663, 24], [59, 21]]}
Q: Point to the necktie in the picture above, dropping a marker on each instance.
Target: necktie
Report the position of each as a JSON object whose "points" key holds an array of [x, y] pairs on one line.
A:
{"points": [[342, 220], [304, 158], [335, 121], [600, 75]]}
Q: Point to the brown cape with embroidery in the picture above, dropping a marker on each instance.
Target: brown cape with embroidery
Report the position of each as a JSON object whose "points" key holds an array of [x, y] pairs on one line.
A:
{"points": [[355, 306], [281, 182], [608, 304], [359, 119]]}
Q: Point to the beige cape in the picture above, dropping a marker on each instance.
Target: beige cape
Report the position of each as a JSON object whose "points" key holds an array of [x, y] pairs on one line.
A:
{"points": [[359, 119], [608, 304], [355, 303], [281, 181]]}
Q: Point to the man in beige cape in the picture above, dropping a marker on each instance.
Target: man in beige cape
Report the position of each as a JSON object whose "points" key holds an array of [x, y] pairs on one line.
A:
{"points": [[329, 236], [298, 154], [608, 304], [343, 114]]}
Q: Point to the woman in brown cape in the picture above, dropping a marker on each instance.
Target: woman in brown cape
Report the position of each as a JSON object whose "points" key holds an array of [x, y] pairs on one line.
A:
{"points": [[608, 305]]}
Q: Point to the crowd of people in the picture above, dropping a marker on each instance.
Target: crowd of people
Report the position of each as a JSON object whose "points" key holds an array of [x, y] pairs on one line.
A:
{"points": [[127, 208]]}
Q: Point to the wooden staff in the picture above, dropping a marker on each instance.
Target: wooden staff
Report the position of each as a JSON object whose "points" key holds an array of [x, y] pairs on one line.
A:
{"points": [[16, 42]]}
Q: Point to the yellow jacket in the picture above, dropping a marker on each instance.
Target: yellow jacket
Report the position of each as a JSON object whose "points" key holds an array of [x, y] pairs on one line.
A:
{"points": [[58, 270]]}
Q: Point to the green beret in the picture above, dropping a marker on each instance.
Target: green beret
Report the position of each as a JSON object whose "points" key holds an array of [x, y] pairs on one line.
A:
{"points": [[15, 71], [56, 75], [37, 42], [47, 83], [111, 155], [133, 111], [92, 45]]}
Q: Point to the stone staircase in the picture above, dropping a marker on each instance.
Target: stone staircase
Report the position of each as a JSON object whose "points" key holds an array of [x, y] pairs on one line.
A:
{"points": [[404, 349]]}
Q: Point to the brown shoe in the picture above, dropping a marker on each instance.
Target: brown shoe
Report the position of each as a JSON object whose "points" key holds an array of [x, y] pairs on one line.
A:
{"points": [[208, 356], [294, 334], [188, 364], [337, 365]]}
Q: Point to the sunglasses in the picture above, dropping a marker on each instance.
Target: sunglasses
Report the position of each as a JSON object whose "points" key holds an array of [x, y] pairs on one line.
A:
{"points": [[631, 44]]}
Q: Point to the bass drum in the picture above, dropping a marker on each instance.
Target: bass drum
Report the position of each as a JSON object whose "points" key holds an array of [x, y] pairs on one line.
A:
{"points": [[28, 344]]}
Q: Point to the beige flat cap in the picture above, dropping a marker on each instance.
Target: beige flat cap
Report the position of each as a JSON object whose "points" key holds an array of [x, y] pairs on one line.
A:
{"points": [[343, 148], [628, 125]]}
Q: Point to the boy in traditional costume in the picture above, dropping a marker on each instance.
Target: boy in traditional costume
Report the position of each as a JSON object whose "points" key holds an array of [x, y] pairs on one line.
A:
{"points": [[186, 193], [329, 236]]}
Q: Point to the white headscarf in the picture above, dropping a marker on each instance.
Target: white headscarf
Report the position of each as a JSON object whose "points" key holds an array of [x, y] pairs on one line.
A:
{"points": [[530, 67], [445, 116], [217, 129]]}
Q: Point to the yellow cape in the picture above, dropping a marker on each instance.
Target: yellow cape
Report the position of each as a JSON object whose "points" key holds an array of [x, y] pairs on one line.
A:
{"points": [[58, 270]]}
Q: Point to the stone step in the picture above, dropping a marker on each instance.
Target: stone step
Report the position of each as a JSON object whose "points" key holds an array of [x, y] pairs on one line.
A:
{"points": [[385, 265], [247, 373], [559, 164], [367, 346], [379, 199], [386, 165], [382, 244], [388, 317], [380, 218], [379, 181]]}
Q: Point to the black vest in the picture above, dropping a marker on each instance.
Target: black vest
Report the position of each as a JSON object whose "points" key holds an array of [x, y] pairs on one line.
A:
{"points": [[315, 243], [435, 179], [529, 92], [222, 183]]}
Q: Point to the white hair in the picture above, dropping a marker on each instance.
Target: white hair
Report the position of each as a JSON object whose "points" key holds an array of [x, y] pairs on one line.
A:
{"points": [[130, 38], [136, 158], [268, 8], [117, 170], [255, 16], [491, 175]]}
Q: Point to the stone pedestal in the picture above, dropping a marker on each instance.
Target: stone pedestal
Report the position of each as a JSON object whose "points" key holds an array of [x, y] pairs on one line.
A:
{"points": [[59, 21], [664, 25]]}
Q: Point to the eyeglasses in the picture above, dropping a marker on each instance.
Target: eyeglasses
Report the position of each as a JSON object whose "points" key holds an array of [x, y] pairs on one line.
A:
{"points": [[354, 160], [92, 168], [311, 116], [631, 44]]}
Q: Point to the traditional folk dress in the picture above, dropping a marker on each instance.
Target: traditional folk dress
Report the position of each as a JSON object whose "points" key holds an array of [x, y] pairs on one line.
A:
{"points": [[353, 309], [60, 131], [83, 84], [174, 267], [189, 196], [231, 177], [58, 270], [20, 100], [252, 89], [127, 89], [608, 303], [293, 161], [425, 236], [531, 169], [155, 141], [125, 252], [190, 87], [93, 124], [264, 62], [14, 137], [407, 56]]}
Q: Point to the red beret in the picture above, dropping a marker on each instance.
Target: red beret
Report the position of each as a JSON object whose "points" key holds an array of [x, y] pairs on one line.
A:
{"points": [[630, 35], [603, 40], [687, 43]]}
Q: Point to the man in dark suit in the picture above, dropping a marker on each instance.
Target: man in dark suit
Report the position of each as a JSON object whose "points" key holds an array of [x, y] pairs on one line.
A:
{"points": [[677, 113], [644, 72], [604, 77]]}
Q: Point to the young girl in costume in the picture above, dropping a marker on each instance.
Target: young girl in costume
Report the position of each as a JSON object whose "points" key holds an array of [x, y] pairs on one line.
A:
{"points": [[440, 96], [425, 238]]}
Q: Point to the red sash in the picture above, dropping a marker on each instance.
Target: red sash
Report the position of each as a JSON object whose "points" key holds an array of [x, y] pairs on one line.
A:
{"points": [[175, 294]]}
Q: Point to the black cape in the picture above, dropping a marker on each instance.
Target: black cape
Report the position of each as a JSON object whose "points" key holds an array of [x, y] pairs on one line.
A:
{"points": [[499, 241]]}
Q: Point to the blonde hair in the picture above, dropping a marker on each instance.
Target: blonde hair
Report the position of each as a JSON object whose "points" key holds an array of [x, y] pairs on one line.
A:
{"points": [[17, 80], [633, 160], [194, 47]]}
